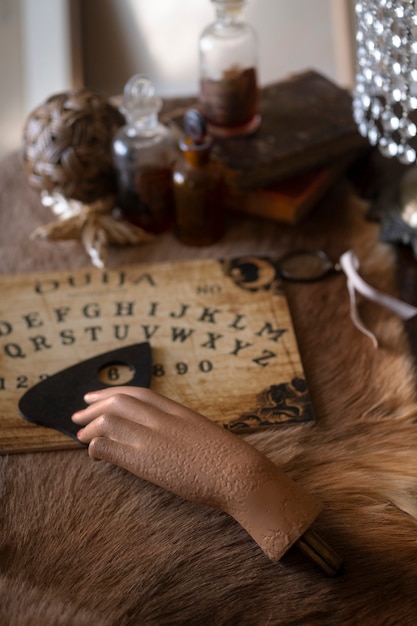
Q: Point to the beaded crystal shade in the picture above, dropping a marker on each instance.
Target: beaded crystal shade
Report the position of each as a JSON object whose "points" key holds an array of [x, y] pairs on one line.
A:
{"points": [[385, 95]]}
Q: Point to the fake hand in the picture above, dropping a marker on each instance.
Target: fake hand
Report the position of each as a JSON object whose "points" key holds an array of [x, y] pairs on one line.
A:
{"points": [[182, 451], [167, 444]]}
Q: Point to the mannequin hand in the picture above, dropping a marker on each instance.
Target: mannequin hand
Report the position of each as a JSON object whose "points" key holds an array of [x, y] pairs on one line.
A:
{"points": [[170, 445], [178, 449]]}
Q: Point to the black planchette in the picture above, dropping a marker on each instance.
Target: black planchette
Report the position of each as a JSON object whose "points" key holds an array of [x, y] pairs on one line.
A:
{"points": [[52, 402]]}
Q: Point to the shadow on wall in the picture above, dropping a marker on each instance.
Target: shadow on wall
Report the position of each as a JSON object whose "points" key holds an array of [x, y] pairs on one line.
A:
{"points": [[108, 61], [160, 38], [121, 38]]}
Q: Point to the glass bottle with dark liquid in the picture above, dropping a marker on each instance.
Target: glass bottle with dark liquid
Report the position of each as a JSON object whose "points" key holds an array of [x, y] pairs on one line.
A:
{"points": [[228, 72], [198, 186], [144, 152]]}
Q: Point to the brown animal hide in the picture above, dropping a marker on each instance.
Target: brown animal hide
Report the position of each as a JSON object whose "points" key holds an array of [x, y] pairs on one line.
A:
{"points": [[85, 543]]}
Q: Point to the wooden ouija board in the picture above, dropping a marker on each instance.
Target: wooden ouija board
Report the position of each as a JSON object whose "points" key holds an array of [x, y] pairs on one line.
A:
{"points": [[220, 332]]}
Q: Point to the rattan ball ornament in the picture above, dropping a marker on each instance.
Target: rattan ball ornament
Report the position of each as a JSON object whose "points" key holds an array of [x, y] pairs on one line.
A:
{"points": [[67, 145], [67, 156]]}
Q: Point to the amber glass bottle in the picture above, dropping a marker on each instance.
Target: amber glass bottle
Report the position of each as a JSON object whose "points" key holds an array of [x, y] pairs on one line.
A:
{"points": [[198, 187], [228, 72], [144, 152]]}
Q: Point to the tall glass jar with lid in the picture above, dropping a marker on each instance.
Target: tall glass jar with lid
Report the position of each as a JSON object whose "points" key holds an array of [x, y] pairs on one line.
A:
{"points": [[228, 51], [144, 153]]}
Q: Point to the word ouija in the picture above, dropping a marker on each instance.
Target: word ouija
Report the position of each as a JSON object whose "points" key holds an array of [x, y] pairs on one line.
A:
{"points": [[208, 327], [117, 279]]}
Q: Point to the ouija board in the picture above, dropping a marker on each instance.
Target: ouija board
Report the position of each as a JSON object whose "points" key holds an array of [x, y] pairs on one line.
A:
{"points": [[220, 331]]}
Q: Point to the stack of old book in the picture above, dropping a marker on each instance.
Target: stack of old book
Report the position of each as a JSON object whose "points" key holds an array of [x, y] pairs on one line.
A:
{"points": [[306, 140]]}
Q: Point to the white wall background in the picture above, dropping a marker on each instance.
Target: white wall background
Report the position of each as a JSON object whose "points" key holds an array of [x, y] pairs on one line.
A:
{"points": [[11, 84], [42, 42], [37, 58], [160, 38]]}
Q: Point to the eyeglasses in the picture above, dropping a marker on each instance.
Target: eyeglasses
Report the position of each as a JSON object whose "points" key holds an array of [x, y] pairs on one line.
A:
{"points": [[304, 266]]}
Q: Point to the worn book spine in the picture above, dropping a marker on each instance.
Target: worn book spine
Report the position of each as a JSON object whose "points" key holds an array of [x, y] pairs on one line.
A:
{"points": [[307, 124], [289, 200]]}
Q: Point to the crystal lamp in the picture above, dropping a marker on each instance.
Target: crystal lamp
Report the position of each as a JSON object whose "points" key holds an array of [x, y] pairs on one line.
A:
{"points": [[386, 77], [385, 103]]}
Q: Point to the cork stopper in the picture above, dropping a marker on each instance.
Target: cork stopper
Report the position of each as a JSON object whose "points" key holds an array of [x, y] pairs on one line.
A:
{"points": [[196, 144]]}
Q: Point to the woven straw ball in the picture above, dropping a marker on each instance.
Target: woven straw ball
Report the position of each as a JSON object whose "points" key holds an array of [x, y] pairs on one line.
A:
{"points": [[67, 145]]}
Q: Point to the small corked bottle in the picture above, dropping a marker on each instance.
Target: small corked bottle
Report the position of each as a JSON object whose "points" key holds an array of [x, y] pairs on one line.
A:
{"points": [[228, 50], [198, 187], [144, 152]]}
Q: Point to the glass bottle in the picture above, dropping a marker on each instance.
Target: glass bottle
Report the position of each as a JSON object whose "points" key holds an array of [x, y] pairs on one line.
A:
{"points": [[198, 187], [228, 72], [144, 152]]}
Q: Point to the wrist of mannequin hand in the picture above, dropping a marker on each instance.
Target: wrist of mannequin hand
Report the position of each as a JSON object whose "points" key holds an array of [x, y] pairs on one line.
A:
{"points": [[274, 510]]}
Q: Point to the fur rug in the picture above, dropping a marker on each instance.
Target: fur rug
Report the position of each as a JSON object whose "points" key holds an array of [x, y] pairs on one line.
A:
{"points": [[84, 543]]}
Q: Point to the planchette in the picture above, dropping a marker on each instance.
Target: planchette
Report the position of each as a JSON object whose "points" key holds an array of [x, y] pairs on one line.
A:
{"points": [[52, 402]]}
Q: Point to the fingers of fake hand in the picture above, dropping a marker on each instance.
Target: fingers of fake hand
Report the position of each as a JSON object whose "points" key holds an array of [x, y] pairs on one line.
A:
{"points": [[133, 448], [104, 449], [115, 427], [142, 394], [121, 402], [109, 438], [154, 456], [148, 408]]}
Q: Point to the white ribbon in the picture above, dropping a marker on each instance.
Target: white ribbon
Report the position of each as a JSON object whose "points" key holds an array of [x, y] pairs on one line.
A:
{"points": [[350, 265]]}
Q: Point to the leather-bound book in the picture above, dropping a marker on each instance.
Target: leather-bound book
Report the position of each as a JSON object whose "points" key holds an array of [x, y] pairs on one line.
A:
{"points": [[307, 123]]}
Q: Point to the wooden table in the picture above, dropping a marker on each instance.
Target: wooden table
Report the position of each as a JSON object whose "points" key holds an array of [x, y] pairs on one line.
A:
{"points": [[86, 543]]}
